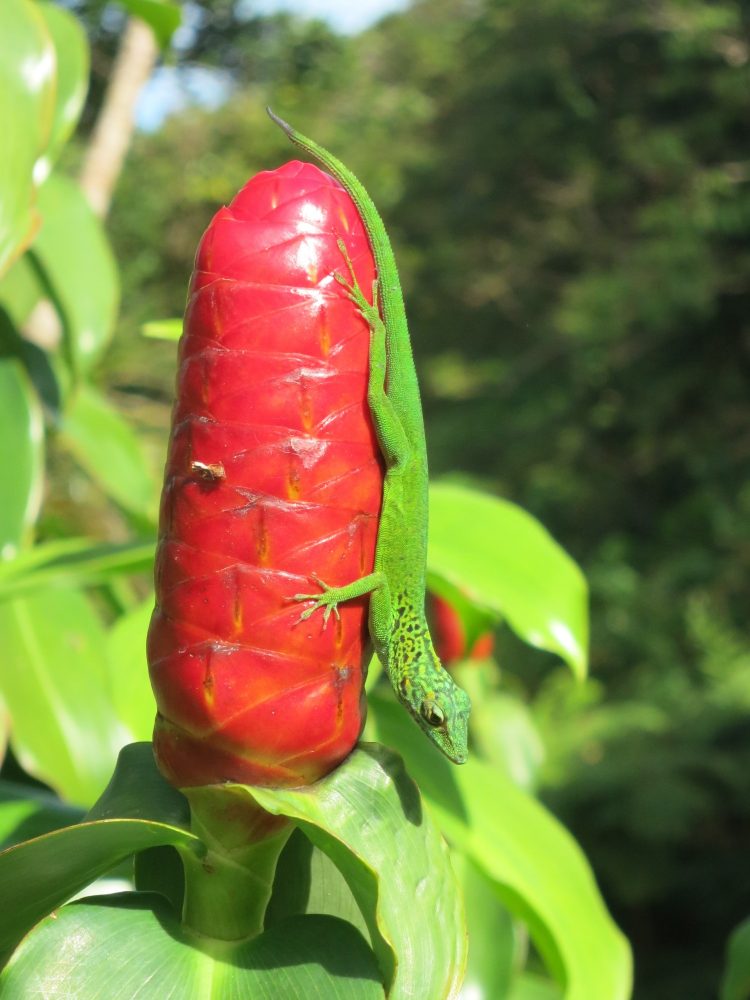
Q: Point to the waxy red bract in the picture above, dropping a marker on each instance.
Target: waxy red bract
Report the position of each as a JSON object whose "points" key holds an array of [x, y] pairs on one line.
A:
{"points": [[273, 474]]}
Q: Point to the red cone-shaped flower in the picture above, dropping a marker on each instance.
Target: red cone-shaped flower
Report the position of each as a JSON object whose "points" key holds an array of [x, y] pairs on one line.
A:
{"points": [[273, 474]]}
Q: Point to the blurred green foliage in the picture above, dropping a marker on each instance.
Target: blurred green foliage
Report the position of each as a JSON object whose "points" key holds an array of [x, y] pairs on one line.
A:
{"points": [[568, 188]]}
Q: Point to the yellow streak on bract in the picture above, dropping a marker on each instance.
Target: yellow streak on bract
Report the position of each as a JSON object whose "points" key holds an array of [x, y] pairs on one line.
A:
{"points": [[262, 544], [293, 486], [344, 220], [305, 406], [312, 273], [209, 695], [325, 338], [237, 616]]}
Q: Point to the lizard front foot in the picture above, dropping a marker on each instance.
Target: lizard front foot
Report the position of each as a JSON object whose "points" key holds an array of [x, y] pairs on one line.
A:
{"points": [[328, 601]]}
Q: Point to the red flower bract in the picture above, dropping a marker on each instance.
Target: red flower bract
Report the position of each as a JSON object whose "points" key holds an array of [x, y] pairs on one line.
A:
{"points": [[449, 637], [273, 474]]}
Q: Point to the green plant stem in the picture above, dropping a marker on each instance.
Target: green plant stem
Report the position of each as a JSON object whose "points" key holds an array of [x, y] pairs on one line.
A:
{"points": [[227, 889]]}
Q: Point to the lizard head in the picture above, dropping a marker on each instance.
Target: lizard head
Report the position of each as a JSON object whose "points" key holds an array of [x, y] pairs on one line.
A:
{"points": [[439, 706]]}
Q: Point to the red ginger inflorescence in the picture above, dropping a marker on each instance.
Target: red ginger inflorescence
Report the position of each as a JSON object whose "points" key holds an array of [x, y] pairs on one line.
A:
{"points": [[273, 474]]}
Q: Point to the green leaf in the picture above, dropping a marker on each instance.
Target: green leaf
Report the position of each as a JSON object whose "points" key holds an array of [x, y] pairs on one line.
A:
{"points": [[27, 812], [367, 816], [536, 866], [527, 986], [160, 869], [307, 881], [71, 80], [735, 984], [501, 727], [162, 15], [21, 457], [505, 561], [108, 448], [54, 682], [27, 93], [20, 290], [131, 688], [79, 267], [72, 562], [88, 950], [39, 875], [137, 790], [163, 329], [493, 936], [138, 810]]}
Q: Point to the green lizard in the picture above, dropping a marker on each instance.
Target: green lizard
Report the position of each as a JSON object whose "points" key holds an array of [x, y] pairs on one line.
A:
{"points": [[396, 587]]}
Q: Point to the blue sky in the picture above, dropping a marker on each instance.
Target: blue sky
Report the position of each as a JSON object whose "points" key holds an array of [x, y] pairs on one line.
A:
{"points": [[170, 90], [345, 15]]}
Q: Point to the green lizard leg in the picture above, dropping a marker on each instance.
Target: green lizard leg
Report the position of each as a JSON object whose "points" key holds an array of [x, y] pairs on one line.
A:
{"points": [[388, 428], [331, 597]]}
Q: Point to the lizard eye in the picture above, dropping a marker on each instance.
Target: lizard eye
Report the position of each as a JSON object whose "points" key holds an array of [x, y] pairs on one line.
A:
{"points": [[431, 714]]}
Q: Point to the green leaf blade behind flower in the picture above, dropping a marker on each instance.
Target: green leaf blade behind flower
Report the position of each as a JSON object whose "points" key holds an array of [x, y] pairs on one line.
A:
{"points": [[71, 79], [27, 94], [55, 685], [110, 451], [21, 456], [79, 267], [504, 560], [535, 865]]}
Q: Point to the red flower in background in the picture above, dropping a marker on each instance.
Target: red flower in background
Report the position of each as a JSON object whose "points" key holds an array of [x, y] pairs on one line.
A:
{"points": [[273, 473], [449, 636]]}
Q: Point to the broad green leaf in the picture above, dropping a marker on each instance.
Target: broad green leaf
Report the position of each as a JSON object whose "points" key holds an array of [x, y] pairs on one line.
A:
{"points": [[162, 15], [505, 561], [368, 817], [39, 875], [536, 866], [735, 984], [493, 936], [54, 682], [501, 727], [132, 945], [137, 790], [27, 93], [160, 869], [21, 457], [163, 329], [138, 810], [44, 369], [79, 267], [71, 80], [27, 812], [131, 688], [528, 986], [307, 881], [20, 290], [72, 562], [108, 448]]}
